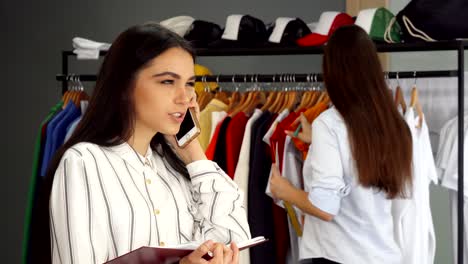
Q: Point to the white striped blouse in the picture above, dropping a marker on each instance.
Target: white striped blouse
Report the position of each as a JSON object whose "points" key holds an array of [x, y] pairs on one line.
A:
{"points": [[107, 201]]}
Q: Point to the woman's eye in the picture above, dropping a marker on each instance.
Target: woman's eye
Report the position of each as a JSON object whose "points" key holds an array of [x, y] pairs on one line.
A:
{"points": [[191, 84], [167, 82]]}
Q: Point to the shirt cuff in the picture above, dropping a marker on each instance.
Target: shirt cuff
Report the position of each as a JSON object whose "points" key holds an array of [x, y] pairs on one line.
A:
{"points": [[201, 166], [326, 200]]}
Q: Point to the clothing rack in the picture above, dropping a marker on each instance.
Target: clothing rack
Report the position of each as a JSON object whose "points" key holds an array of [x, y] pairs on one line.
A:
{"points": [[277, 78], [458, 46]]}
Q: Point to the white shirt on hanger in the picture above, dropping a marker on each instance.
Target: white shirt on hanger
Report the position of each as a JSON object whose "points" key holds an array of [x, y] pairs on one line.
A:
{"points": [[107, 201], [414, 228], [362, 228], [448, 157], [241, 175]]}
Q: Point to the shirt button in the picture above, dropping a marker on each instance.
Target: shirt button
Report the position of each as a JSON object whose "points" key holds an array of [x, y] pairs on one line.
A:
{"points": [[147, 163], [162, 244], [156, 211], [148, 181]]}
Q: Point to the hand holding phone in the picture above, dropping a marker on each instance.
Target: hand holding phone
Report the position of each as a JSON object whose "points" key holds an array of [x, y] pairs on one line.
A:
{"points": [[189, 129]]}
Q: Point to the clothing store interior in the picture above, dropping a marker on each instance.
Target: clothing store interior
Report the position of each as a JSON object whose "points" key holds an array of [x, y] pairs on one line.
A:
{"points": [[282, 180]]}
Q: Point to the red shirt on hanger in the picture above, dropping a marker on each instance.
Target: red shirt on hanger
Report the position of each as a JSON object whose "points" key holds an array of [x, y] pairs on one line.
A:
{"points": [[234, 137]]}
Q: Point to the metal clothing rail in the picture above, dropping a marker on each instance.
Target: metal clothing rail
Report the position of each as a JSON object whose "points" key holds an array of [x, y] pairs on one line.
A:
{"points": [[279, 77], [458, 46]]}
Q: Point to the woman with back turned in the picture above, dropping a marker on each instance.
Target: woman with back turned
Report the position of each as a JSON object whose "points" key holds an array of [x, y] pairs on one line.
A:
{"points": [[360, 158]]}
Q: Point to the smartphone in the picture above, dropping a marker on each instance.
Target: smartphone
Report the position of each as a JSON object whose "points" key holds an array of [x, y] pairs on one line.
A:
{"points": [[189, 129]]}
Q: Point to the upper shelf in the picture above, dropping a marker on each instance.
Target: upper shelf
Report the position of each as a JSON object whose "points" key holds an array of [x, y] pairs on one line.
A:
{"points": [[381, 47]]}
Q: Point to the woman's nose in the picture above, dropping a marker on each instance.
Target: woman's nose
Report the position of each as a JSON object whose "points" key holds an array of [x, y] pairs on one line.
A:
{"points": [[183, 96]]}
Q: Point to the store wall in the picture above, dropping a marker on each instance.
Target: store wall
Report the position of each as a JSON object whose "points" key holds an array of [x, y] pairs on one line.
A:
{"points": [[36, 31]]}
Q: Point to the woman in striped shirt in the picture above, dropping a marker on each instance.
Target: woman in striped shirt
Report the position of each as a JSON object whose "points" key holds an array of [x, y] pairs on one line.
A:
{"points": [[121, 182]]}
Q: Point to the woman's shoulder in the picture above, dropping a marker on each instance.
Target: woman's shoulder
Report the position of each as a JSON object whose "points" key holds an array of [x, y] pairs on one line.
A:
{"points": [[330, 117], [82, 149]]}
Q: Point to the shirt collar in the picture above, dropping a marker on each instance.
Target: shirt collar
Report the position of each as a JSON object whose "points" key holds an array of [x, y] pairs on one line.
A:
{"points": [[132, 157]]}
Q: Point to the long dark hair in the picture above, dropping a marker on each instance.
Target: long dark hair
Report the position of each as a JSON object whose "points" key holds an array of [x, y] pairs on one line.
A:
{"points": [[380, 139], [110, 116]]}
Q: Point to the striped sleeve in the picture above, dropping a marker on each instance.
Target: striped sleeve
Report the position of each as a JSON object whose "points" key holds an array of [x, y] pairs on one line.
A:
{"points": [[71, 216], [220, 204]]}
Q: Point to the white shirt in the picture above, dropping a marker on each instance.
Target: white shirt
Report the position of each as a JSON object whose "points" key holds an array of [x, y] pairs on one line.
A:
{"points": [[362, 228], [414, 228], [241, 175], [447, 157], [107, 201]]}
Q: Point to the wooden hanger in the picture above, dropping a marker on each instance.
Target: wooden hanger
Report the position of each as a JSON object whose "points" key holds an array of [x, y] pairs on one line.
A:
{"points": [[416, 105], [242, 105], [304, 100], [294, 100], [399, 99], [285, 102], [243, 99], [222, 96], [276, 106], [70, 93], [322, 96], [269, 101], [205, 100], [234, 100], [312, 99], [200, 96], [259, 98]]}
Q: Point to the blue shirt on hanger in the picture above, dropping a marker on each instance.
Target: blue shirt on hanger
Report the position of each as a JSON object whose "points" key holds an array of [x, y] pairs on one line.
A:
{"points": [[61, 129], [49, 144]]}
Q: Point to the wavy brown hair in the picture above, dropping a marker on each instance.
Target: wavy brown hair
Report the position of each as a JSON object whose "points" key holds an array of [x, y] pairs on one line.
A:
{"points": [[380, 139]]}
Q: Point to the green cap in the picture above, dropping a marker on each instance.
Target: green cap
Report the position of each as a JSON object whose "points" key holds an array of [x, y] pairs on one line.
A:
{"points": [[380, 24]]}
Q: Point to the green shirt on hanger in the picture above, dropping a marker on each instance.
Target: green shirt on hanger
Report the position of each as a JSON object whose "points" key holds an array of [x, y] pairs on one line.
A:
{"points": [[32, 185]]}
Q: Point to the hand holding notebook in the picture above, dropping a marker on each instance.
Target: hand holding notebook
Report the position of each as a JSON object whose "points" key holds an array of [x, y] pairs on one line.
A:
{"points": [[172, 254]]}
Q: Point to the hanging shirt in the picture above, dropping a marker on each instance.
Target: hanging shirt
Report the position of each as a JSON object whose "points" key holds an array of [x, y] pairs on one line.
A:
{"points": [[448, 158], [447, 161], [71, 128], [234, 135], [292, 170], [214, 105], [261, 224], [277, 140], [271, 130], [216, 118], [280, 220], [33, 183], [107, 201], [220, 146], [241, 175], [48, 148], [362, 228], [60, 131], [414, 229], [310, 115], [210, 151]]}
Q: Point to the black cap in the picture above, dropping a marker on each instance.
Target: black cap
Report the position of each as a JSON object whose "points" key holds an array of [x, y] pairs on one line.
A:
{"points": [[252, 33], [201, 33], [294, 30]]}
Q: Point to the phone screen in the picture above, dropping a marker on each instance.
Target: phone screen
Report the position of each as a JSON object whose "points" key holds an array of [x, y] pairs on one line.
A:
{"points": [[186, 125]]}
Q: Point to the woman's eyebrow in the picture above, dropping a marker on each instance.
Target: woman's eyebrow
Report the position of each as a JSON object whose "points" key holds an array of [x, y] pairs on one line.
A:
{"points": [[172, 74]]}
